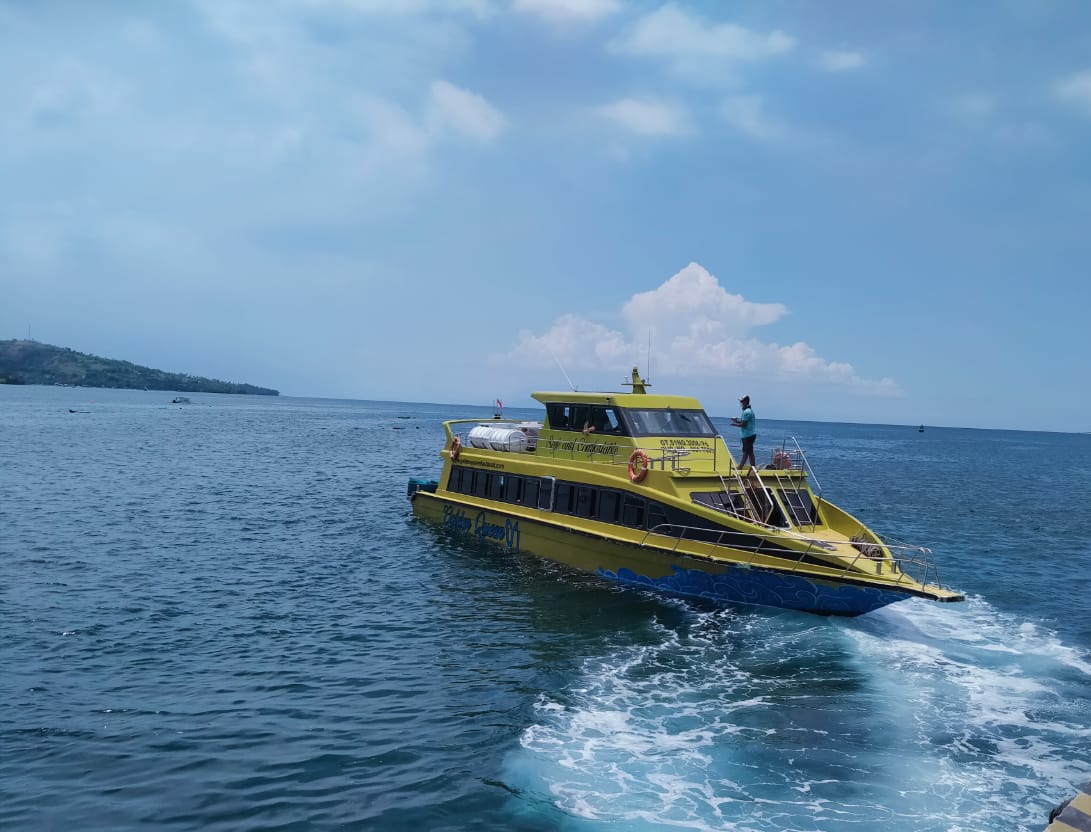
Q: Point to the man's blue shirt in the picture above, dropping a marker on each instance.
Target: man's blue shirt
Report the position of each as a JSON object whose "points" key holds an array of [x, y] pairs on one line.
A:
{"points": [[749, 424]]}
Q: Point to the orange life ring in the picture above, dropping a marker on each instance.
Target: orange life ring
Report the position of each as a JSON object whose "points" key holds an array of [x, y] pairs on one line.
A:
{"points": [[456, 448], [782, 461], [638, 474]]}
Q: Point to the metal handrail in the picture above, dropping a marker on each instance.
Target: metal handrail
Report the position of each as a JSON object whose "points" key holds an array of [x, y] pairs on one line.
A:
{"points": [[916, 565], [480, 421], [805, 464]]}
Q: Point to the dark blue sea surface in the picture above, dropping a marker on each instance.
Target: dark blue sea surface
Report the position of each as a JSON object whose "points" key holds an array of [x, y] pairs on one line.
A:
{"points": [[222, 616]]}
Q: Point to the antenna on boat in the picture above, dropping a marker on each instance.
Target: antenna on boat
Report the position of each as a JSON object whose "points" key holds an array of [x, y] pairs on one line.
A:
{"points": [[559, 364], [649, 352]]}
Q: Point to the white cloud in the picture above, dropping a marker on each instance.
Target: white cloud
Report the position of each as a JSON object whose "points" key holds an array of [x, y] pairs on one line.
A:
{"points": [[694, 300], [747, 113], [692, 43], [699, 329], [576, 343], [648, 117], [840, 61], [568, 11], [465, 112], [1075, 90]]}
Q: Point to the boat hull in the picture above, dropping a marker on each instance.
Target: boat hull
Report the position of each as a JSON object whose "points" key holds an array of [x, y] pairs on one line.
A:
{"points": [[651, 567]]}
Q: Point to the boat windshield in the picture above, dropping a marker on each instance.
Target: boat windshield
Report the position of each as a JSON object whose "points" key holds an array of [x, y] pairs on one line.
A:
{"points": [[668, 422]]}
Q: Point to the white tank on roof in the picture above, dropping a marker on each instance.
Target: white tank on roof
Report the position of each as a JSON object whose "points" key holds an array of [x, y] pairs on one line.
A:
{"points": [[507, 437]]}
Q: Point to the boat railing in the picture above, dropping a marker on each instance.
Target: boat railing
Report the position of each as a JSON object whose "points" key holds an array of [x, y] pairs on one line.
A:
{"points": [[493, 421], [799, 460], [790, 457], [903, 562], [787, 457], [586, 446], [531, 438]]}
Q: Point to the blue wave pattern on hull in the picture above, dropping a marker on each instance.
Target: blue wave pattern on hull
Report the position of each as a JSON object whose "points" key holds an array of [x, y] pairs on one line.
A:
{"points": [[754, 586]]}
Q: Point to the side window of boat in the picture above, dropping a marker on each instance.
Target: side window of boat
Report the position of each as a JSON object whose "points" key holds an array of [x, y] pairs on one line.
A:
{"points": [[555, 415], [454, 482], [562, 501], [481, 483], [613, 423], [530, 492], [632, 511], [545, 494], [581, 415], [585, 501], [605, 420], [561, 417], [657, 516], [496, 486], [513, 489], [608, 506], [462, 480]]}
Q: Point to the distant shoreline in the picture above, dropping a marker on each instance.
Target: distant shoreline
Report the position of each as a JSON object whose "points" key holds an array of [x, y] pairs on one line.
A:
{"points": [[24, 362]]}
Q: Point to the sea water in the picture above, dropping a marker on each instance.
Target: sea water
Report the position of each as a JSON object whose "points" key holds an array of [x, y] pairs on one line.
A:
{"points": [[222, 616]]}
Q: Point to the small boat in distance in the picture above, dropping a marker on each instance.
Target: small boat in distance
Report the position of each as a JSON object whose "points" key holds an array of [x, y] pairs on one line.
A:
{"points": [[920, 429], [179, 400], [640, 489]]}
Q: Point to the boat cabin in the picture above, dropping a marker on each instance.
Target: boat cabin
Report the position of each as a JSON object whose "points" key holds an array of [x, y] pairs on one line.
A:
{"points": [[615, 419]]}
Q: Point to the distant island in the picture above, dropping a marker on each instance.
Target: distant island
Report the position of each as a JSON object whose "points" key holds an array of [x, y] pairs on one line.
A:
{"points": [[29, 362]]}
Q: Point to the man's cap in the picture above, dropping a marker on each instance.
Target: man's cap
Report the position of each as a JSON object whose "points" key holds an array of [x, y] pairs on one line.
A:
{"points": [[744, 399]]}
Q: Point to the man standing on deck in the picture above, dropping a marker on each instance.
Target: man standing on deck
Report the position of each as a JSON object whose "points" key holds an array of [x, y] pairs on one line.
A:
{"points": [[749, 432]]}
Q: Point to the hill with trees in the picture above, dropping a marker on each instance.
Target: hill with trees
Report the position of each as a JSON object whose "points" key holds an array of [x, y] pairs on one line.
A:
{"points": [[30, 362]]}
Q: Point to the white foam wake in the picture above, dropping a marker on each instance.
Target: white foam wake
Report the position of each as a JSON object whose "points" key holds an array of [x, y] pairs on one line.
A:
{"points": [[923, 717]]}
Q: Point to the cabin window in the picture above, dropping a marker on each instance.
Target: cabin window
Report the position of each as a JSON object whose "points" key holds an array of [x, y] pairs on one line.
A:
{"points": [[481, 483], [513, 489], [496, 486], [585, 501], [605, 420], [560, 417], [581, 417], [576, 417], [608, 505], [669, 422], [454, 482], [530, 492], [545, 494], [632, 512], [562, 501], [657, 516]]}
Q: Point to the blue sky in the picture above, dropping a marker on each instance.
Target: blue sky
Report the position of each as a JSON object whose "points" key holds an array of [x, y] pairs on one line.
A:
{"points": [[873, 212]]}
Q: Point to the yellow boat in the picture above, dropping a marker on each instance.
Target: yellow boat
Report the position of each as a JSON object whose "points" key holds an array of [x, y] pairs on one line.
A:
{"points": [[640, 489]]}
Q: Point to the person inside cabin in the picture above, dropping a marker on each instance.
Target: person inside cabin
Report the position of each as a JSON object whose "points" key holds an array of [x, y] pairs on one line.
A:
{"points": [[748, 426], [602, 421], [597, 422]]}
